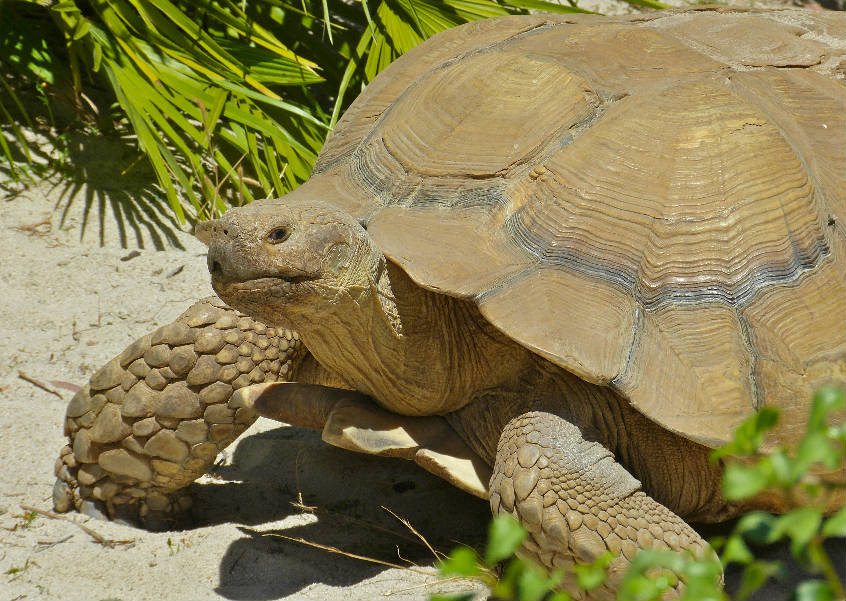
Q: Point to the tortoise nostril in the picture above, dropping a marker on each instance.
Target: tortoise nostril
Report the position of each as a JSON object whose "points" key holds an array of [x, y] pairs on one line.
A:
{"points": [[215, 267], [225, 232]]}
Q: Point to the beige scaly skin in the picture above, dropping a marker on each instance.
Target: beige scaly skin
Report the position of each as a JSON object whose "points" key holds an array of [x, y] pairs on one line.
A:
{"points": [[309, 267], [154, 418]]}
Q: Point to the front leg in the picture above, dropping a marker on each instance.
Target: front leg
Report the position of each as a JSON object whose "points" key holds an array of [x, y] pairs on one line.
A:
{"points": [[353, 421], [576, 501], [154, 418]]}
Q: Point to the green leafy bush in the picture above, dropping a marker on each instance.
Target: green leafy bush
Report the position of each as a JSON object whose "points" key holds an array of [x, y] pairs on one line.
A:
{"points": [[797, 474]]}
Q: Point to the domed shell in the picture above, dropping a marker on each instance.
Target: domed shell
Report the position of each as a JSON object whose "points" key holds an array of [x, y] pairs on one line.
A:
{"points": [[655, 202]]}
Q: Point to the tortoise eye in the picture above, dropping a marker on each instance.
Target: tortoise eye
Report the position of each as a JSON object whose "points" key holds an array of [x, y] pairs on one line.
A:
{"points": [[280, 234]]}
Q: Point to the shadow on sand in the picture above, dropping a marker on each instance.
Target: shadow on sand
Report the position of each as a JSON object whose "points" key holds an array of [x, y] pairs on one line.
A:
{"points": [[121, 201], [272, 469]]}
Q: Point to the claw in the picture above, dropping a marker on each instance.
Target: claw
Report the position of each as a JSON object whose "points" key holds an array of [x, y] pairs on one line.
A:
{"points": [[94, 508], [62, 496]]}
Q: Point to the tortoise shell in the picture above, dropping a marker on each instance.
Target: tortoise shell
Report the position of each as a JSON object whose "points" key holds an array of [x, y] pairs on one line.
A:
{"points": [[654, 203]]}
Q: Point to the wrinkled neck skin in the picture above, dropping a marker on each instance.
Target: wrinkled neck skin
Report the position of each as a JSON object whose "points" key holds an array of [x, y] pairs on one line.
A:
{"points": [[414, 351]]}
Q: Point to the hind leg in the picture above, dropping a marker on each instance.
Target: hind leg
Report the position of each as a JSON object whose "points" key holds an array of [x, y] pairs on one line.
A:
{"points": [[154, 418], [577, 502]]}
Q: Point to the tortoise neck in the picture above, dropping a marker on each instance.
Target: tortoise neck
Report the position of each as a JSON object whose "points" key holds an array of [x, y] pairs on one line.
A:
{"points": [[414, 351]]}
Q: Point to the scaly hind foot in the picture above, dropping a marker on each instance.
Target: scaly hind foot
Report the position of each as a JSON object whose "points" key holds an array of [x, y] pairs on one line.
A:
{"points": [[577, 502]]}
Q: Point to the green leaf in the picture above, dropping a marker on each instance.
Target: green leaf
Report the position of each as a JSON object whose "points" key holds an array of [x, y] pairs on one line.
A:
{"points": [[241, 90], [327, 20], [462, 561], [639, 587], [703, 580], [815, 590], [269, 67], [815, 447], [471, 10], [756, 526], [800, 525], [24, 49], [835, 525], [504, 537], [550, 7], [20, 138], [593, 574], [371, 26], [83, 27], [97, 57], [272, 166], [644, 582], [749, 435], [65, 6], [783, 467], [742, 481], [736, 551], [648, 4], [534, 583], [754, 576], [825, 401]]}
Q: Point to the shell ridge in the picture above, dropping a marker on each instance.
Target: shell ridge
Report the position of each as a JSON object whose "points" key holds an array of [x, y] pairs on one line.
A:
{"points": [[617, 380], [750, 276], [563, 136], [810, 164], [754, 389], [386, 111]]}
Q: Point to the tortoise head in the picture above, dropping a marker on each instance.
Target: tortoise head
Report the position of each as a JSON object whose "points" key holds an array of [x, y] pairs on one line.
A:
{"points": [[287, 262]]}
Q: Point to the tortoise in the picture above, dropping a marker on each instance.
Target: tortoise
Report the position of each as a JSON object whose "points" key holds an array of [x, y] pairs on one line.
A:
{"points": [[555, 260]]}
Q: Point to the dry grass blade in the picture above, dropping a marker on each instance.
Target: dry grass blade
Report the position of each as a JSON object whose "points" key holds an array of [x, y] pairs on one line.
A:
{"points": [[338, 551], [364, 524], [436, 554], [39, 228], [98, 538], [39, 384], [425, 585], [43, 545]]}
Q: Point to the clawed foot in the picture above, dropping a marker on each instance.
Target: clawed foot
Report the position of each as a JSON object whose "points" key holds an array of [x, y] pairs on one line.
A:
{"points": [[154, 418], [107, 499]]}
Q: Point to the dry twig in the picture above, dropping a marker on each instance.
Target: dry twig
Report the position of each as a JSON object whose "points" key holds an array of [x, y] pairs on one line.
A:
{"points": [[49, 544], [438, 556], [364, 524], [36, 228], [303, 541], [66, 385], [106, 542], [424, 585], [39, 384]]}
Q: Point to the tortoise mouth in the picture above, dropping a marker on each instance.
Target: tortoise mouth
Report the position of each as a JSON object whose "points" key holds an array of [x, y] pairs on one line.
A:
{"points": [[274, 300], [261, 284], [286, 283], [222, 277]]}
